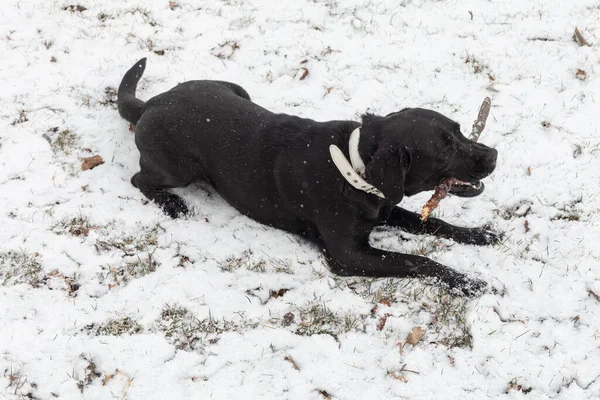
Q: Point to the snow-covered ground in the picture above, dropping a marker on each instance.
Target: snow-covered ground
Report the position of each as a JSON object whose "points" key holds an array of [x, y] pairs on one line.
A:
{"points": [[102, 296]]}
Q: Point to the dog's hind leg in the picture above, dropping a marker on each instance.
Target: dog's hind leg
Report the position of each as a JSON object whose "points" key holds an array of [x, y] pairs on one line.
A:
{"points": [[154, 184]]}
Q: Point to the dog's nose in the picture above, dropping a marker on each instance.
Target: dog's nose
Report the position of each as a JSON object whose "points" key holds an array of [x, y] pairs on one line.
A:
{"points": [[492, 156]]}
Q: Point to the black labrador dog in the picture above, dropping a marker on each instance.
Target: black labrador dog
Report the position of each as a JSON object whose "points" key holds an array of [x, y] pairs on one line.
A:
{"points": [[293, 173]]}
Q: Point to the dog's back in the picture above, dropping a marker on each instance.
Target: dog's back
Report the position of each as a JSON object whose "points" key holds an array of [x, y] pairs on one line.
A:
{"points": [[210, 130]]}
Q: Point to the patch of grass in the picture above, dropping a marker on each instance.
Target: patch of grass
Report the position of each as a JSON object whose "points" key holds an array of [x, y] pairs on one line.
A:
{"points": [[103, 17], [110, 97], [569, 211], [281, 265], [22, 117], [138, 256], [86, 372], [139, 266], [69, 284], [131, 245], [521, 209], [317, 319], [187, 332], [145, 14], [18, 385], [114, 327], [232, 263], [225, 50], [64, 141], [449, 320], [372, 289], [78, 226], [248, 261], [479, 66], [515, 385], [20, 267], [74, 8]]}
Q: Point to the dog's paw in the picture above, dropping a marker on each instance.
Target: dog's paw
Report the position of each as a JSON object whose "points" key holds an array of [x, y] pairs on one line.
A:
{"points": [[462, 285], [175, 207], [483, 236], [487, 237]]}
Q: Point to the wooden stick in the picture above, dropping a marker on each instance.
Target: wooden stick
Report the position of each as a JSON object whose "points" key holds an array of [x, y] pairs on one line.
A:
{"points": [[479, 123], [445, 185]]}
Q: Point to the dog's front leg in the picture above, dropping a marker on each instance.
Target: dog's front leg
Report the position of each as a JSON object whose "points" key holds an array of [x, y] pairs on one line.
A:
{"points": [[353, 256], [411, 223]]}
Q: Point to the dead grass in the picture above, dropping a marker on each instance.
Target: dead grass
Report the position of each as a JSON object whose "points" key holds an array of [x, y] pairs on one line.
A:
{"points": [[78, 226], [449, 320], [18, 385], [22, 117], [114, 327], [248, 261], [187, 332], [448, 313], [132, 267], [479, 66], [317, 319], [137, 256], [516, 386], [86, 373], [145, 14], [110, 97], [18, 267], [62, 141]]}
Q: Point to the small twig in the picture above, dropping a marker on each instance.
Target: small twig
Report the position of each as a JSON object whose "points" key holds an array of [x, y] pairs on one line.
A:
{"points": [[578, 37], [479, 123], [527, 331], [403, 369], [291, 361], [594, 294]]}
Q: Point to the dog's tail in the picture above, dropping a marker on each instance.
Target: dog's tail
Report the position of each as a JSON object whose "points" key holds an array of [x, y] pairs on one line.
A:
{"points": [[130, 107]]}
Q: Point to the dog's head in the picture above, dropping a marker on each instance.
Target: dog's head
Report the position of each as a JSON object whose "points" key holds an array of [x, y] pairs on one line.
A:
{"points": [[411, 151]]}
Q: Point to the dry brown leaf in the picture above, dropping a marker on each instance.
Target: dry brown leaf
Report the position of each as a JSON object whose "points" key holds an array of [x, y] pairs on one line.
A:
{"points": [[91, 162], [117, 372], [382, 321], [578, 37], [385, 301], [581, 75], [416, 335], [303, 74]]}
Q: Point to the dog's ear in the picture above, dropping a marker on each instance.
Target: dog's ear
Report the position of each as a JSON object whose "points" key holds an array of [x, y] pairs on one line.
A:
{"points": [[387, 171]]}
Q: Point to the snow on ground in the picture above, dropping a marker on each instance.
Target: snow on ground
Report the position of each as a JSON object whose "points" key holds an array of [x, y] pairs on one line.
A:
{"points": [[102, 296]]}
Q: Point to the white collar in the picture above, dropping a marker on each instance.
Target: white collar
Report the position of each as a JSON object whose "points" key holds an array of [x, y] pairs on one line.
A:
{"points": [[354, 170]]}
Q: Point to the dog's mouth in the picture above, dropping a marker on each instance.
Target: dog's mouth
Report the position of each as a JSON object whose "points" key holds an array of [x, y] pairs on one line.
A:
{"points": [[466, 189]]}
